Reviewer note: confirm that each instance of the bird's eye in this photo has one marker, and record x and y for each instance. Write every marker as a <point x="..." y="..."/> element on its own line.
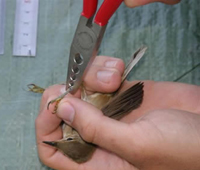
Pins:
<point x="69" y="139"/>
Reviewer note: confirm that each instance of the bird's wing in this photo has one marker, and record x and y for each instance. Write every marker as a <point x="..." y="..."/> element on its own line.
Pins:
<point x="125" y="102"/>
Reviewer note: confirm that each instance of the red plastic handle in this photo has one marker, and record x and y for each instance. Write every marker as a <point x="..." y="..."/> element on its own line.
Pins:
<point x="89" y="8"/>
<point x="106" y="11"/>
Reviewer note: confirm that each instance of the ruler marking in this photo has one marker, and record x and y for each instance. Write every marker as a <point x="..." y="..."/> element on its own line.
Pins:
<point x="25" y="34"/>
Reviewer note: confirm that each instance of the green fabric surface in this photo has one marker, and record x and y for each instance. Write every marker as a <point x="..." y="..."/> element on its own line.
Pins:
<point x="171" y="33"/>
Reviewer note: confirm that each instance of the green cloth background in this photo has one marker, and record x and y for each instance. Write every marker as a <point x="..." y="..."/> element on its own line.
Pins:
<point x="171" y="33"/>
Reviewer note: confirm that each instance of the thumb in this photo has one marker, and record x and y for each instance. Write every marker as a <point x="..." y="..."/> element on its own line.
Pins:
<point x="93" y="126"/>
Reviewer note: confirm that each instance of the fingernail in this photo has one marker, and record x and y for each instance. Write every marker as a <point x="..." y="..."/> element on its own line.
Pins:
<point x="110" y="63"/>
<point x="66" y="112"/>
<point x="104" y="76"/>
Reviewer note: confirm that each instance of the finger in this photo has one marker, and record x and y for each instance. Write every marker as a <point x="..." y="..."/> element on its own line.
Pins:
<point x="135" y="3"/>
<point x="46" y="121"/>
<point x="47" y="124"/>
<point x="109" y="62"/>
<point x="52" y="90"/>
<point x="48" y="129"/>
<point x="59" y="161"/>
<point x="104" y="74"/>
<point x="94" y="127"/>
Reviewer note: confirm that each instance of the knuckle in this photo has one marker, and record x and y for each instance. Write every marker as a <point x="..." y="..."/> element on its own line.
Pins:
<point x="52" y="90"/>
<point x="121" y="63"/>
<point x="114" y="83"/>
<point x="116" y="78"/>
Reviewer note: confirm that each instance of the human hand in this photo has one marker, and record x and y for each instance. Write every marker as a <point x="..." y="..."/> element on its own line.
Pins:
<point x="107" y="73"/>
<point x="134" y="3"/>
<point x="154" y="138"/>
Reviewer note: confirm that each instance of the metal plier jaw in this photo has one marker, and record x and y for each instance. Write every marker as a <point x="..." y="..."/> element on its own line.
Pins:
<point x="84" y="48"/>
<point x="87" y="39"/>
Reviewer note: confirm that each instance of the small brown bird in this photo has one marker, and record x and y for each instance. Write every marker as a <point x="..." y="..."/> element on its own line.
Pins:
<point x="73" y="146"/>
<point x="114" y="105"/>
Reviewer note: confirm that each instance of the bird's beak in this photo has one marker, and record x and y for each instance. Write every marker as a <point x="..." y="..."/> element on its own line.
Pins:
<point x="51" y="143"/>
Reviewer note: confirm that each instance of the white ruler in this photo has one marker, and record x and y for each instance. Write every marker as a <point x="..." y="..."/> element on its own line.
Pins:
<point x="25" y="34"/>
<point x="2" y="24"/>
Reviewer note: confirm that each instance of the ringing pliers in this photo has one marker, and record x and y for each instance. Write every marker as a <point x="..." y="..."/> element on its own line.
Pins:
<point x="87" y="39"/>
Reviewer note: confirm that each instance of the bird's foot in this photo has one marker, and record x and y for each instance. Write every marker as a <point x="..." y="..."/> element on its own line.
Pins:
<point x="35" y="89"/>
<point x="58" y="99"/>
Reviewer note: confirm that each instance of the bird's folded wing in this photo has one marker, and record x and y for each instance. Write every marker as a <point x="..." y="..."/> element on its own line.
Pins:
<point x="125" y="102"/>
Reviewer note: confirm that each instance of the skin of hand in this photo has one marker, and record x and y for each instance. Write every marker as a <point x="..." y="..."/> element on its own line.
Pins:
<point x="163" y="134"/>
<point x="135" y="3"/>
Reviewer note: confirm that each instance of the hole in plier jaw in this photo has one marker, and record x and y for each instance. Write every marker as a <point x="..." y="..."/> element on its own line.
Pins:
<point x="78" y="59"/>
<point x="75" y="69"/>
